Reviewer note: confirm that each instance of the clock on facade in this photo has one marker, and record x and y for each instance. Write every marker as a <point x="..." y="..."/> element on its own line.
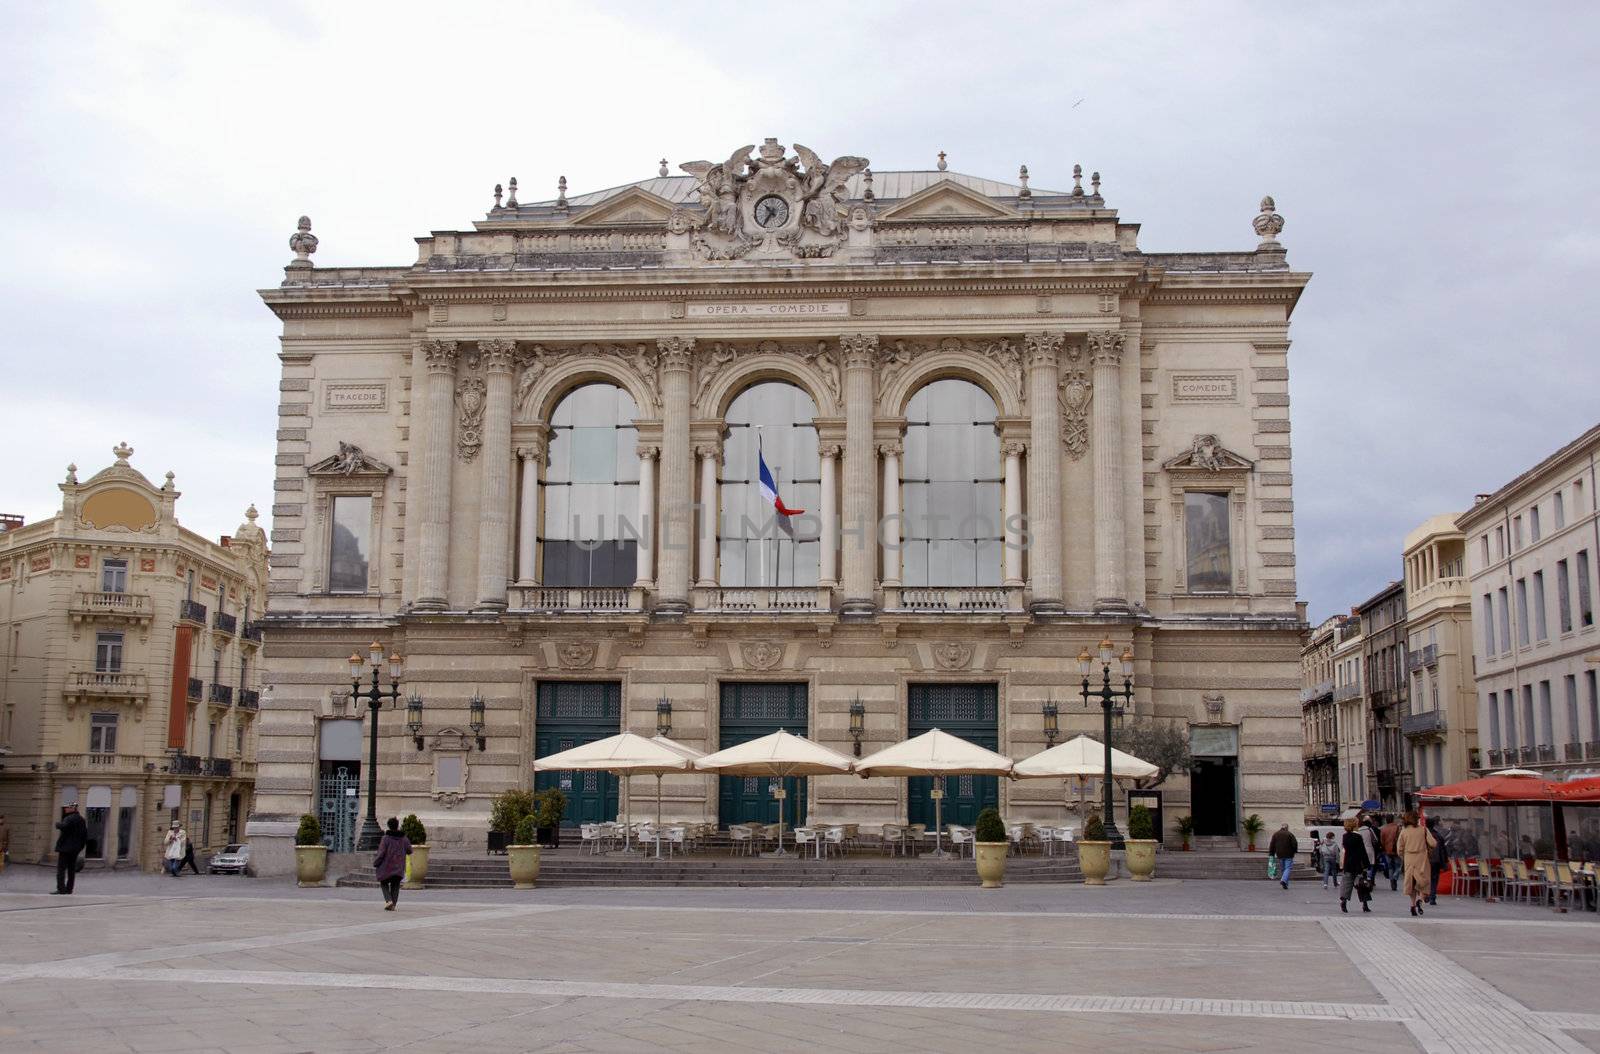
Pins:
<point x="772" y="211"/>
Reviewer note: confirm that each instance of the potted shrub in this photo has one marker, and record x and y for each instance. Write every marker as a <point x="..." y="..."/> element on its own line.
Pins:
<point x="506" y="810"/>
<point x="417" y="865"/>
<point x="1252" y="827"/>
<point x="1185" y="829"/>
<point x="1141" y="844"/>
<point x="548" y="809"/>
<point x="310" y="855"/>
<point x="524" y="852"/>
<point x="1094" y="852"/>
<point x="989" y="848"/>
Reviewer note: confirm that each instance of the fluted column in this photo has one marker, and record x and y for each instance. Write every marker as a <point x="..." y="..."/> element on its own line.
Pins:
<point x="1013" y="452"/>
<point x="532" y="457"/>
<point x="891" y="512"/>
<point x="433" y="486"/>
<point x="677" y="475"/>
<point x="1110" y="579"/>
<point x="710" y="455"/>
<point x="1044" y="469"/>
<point x="860" y="487"/>
<point x="828" y="572"/>
<point x="494" y="500"/>
<point x="645" y="565"/>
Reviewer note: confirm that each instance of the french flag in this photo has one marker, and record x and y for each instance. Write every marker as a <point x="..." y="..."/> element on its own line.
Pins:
<point x="769" y="489"/>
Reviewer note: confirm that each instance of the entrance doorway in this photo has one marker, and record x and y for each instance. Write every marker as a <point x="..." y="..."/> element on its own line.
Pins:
<point x="749" y="711"/>
<point x="339" y="804"/>
<point x="570" y="714"/>
<point x="971" y="711"/>
<point x="1214" y="796"/>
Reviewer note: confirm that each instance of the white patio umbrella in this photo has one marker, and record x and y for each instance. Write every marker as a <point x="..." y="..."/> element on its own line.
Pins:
<point x="1082" y="758"/>
<point x="1516" y="772"/>
<point x="626" y="754"/>
<point x="778" y="755"/>
<point x="938" y="754"/>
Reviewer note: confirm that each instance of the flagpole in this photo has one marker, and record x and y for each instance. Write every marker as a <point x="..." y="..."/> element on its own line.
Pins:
<point x="761" y="458"/>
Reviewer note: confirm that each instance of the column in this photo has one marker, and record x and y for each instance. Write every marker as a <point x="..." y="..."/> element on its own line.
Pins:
<point x="710" y="455"/>
<point x="1013" y="452"/>
<point x="1110" y="588"/>
<point x="677" y="480"/>
<point x="433" y="498"/>
<point x="1043" y="352"/>
<point x="645" y="576"/>
<point x="494" y="501"/>
<point x="860" y="487"/>
<point x="532" y="456"/>
<point x="891" y="512"/>
<point x="828" y="573"/>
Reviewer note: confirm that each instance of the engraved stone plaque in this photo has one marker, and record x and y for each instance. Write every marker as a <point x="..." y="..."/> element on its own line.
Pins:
<point x="355" y="395"/>
<point x="1205" y="388"/>
<point x="772" y="309"/>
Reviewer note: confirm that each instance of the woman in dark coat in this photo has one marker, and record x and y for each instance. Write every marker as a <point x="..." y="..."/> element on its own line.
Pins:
<point x="1356" y="864"/>
<point x="390" y="863"/>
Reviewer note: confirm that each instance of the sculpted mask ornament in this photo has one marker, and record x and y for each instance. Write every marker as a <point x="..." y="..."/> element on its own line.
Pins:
<point x="772" y="205"/>
<point x="761" y="654"/>
<point x="576" y="654"/>
<point x="952" y="655"/>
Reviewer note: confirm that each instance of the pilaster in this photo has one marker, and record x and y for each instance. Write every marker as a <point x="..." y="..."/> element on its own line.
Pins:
<point x="439" y="358"/>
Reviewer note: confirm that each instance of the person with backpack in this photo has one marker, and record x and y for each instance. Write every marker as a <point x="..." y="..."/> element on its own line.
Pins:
<point x="390" y="863"/>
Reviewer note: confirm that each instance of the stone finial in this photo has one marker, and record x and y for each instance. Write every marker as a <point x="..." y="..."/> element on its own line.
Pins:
<point x="1268" y="224"/>
<point x="499" y="192"/>
<point x="303" y="242"/>
<point x="941" y="161"/>
<point x="122" y="451"/>
<point x="1077" y="181"/>
<point x="72" y="473"/>
<point x="561" y="193"/>
<point x="1022" y="177"/>
<point x="664" y="171"/>
<point x="1094" y="184"/>
<point x="251" y="514"/>
<point x="511" y="202"/>
<point x="866" y="183"/>
<point x="170" y="483"/>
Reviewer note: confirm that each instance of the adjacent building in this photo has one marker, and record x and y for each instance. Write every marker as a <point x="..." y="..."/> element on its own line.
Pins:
<point x="129" y="655"/>
<point x="1531" y="553"/>
<point x="1385" y="694"/>
<point x="1319" y="741"/>
<point x="1350" y="714"/>
<point x="531" y="459"/>
<point x="1441" y="727"/>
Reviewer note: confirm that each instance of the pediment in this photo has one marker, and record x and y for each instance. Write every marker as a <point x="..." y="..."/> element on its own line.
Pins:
<point x="631" y="206"/>
<point x="1207" y="455"/>
<point x="351" y="460"/>
<point x="948" y="200"/>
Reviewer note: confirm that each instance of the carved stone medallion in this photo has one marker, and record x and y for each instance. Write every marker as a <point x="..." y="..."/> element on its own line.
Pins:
<point x="575" y="654"/>
<point x="761" y="654"/>
<point x="952" y="655"/>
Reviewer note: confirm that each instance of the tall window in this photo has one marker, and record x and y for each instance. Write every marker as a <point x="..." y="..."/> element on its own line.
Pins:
<point x="1494" y="721"/>
<point x="1530" y="732"/>
<point x="1563" y="597"/>
<point x="114" y="576"/>
<point x="1533" y="524"/>
<point x="1485" y="549"/>
<point x="1488" y="624"/>
<point x="1516" y="533"/>
<point x="108" y="653"/>
<point x="1547" y="730"/>
<point x="1591" y="685"/>
<point x="1522" y="612"/>
<point x="1573" y="728"/>
<point x="1505" y="620"/>
<point x="755" y="546"/>
<point x="1585" y="604"/>
<point x="1561" y="509"/>
<point x="1540" y="623"/>
<point x="102" y="733"/>
<point x="1510" y="711"/>
<point x="951" y="486"/>
<point x="591" y="490"/>
<point x="350" y="545"/>
<point x="1209" y="550"/>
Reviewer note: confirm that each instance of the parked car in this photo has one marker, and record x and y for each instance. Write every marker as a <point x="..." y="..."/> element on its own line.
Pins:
<point x="233" y="859"/>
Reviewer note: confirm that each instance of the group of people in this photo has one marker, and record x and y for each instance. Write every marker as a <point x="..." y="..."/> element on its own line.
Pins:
<point x="1404" y="851"/>
<point x="177" y="851"/>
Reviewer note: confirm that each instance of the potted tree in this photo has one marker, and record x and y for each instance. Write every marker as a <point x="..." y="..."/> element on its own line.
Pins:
<point x="549" y="806"/>
<point x="506" y="810"/>
<point x="1185" y="829"/>
<point x="1252" y="827"/>
<point x="524" y="852"/>
<point x="1141" y="844"/>
<point x="989" y="848"/>
<point x="417" y="863"/>
<point x="1094" y="852"/>
<point x="310" y="855"/>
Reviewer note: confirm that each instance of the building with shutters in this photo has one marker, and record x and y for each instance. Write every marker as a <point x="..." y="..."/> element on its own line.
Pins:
<point x="129" y="671"/>
<point x="529" y="461"/>
<point x="1441" y="727"/>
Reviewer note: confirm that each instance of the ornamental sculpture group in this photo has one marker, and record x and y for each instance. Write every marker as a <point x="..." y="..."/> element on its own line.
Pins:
<point x="769" y="204"/>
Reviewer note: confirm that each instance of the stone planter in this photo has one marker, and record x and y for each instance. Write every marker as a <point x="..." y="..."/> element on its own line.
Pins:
<point x="991" y="858"/>
<point x="1095" y="860"/>
<point x="419" y="867"/>
<point x="310" y="864"/>
<point x="1141" y="858"/>
<point x="524" y="865"/>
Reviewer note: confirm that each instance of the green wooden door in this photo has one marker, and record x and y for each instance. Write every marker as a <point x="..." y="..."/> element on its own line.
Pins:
<point x="750" y="711"/>
<point x="570" y="714"/>
<point x="971" y="711"/>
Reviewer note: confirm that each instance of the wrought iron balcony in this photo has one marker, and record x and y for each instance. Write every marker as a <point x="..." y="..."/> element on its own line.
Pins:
<point x="220" y="695"/>
<point x="1346" y="691"/>
<point x="249" y="699"/>
<point x="1591" y="751"/>
<point x="192" y="611"/>
<point x="1424" y="723"/>
<point x="134" y="608"/>
<point x="226" y="623"/>
<point x="222" y="767"/>
<point x="1319" y="748"/>
<point x="251" y="634"/>
<point x="1547" y="752"/>
<point x="1425" y="656"/>
<point x="1496" y="758"/>
<point x="196" y="689"/>
<point x="1314" y="692"/>
<point x="1572" y="752"/>
<point x="184" y="765"/>
<point x="1526" y="755"/>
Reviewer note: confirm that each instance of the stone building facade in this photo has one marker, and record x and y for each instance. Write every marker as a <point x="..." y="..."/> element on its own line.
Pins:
<point x="1319" y="717"/>
<point x="1350" y="711"/>
<point x="530" y="462"/>
<point x="1385" y="695"/>
<point x="129" y="670"/>
<point x="1441" y="725"/>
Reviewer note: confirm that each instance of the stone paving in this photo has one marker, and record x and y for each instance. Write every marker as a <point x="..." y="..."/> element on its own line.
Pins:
<point x="139" y="962"/>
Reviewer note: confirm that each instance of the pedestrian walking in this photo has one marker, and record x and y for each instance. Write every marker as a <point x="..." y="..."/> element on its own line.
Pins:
<point x="173" y="847"/>
<point x="1388" y="836"/>
<point x="188" y="856"/>
<point x="1438" y="861"/>
<point x="5" y="842"/>
<point x="1330" y="860"/>
<point x="1368" y="831"/>
<point x="70" y="842"/>
<point x="1284" y="847"/>
<point x="390" y="863"/>
<point x="1415" y="844"/>
<point x="1356" y="867"/>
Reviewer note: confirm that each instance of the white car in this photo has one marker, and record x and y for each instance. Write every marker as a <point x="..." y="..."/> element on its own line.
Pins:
<point x="233" y="859"/>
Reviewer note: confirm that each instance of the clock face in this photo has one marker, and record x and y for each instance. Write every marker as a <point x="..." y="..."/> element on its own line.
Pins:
<point x="772" y="211"/>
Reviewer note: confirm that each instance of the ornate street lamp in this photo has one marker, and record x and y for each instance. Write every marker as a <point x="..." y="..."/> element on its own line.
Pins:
<point x="664" y="716"/>
<point x="414" y="718"/>
<point x="1108" y="697"/>
<point x="858" y="723"/>
<point x="475" y="710"/>
<point x="1052" y="722"/>
<point x="374" y="697"/>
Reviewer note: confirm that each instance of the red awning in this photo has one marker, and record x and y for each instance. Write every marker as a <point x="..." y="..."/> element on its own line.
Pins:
<point x="1584" y="790"/>
<point x="1495" y="789"/>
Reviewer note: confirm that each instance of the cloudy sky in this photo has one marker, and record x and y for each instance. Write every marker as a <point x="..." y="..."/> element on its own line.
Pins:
<point x="1434" y="163"/>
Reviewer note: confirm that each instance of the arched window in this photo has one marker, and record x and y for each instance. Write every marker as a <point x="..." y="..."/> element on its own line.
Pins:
<point x="591" y="490"/>
<point x="952" y="490"/>
<point x="756" y="546"/>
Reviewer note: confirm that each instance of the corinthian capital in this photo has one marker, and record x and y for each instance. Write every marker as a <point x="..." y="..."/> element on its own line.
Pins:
<point x="440" y="355"/>
<point x="1042" y="349"/>
<point x="860" y="349"/>
<point x="676" y="352"/>
<point x="891" y="448"/>
<point x="498" y="356"/>
<point x="1105" y="346"/>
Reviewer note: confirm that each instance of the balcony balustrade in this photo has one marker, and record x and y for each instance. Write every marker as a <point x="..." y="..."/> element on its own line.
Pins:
<point x="251" y="633"/>
<point x="97" y="685"/>
<point x="184" y="765"/>
<point x="220" y="695"/>
<point x="131" y="608"/>
<point x="1496" y="758"/>
<point x="196" y="689"/>
<point x="576" y="599"/>
<point x="1425" y="723"/>
<point x="1526" y="755"/>
<point x="98" y="764"/>
<point x="249" y="699"/>
<point x="1572" y="752"/>
<point x="1346" y="691"/>
<point x="192" y="611"/>
<point x="1425" y="656"/>
<point x="1547" y="752"/>
<point x="953" y="600"/>
<point x="1591" y="751"/>
<point x="225" y="623"/>
<point x="763" y="599"/>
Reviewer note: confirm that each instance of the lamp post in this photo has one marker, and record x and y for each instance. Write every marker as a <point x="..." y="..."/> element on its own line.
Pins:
<point x="858" y="723"/>
<point x="663" y="717"/>
<point x="1108" y="697"/>
<point x="1052" y="722"/>
<point x="475" y="710"/>
<point x="374" y="697"/>
<point x="414" y="718"/>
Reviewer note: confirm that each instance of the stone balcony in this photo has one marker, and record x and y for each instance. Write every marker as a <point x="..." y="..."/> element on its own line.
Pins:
<point x="86" y="686"/>
<point x="99" y="765"/>
<point x="1427" y="722"/>
<point x="576" y="599"/>
<point x="953" y="600"/>
<point x="128" y="608"/>
<point x="765" y="600"/>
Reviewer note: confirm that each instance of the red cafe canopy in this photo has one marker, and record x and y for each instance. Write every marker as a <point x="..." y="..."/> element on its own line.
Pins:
<point x="1584" y="790"/>
<point x="1496" y="789"/>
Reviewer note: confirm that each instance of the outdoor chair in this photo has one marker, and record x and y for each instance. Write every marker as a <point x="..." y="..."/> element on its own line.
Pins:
<point x="1460" y="877"/>
<point x="1519" y="886"/>
<point x="914" y="836"/>
<point x="892" y="834"/>
<point x="743" y="839"/>
<point x="1563" y="882"/>
<point x="961" y="839"/>
<point x="590" y="837"/>
<point x="834" y="837"/>
<point x="677" y="838"/>
<point x="1489" y="880"/>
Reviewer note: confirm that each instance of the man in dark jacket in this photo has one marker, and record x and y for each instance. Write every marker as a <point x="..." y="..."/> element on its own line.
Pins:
<point x="1283" y="846"/>
<point x="74" y="836"/>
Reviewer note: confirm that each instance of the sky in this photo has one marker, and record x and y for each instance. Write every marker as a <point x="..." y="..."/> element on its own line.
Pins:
<point x="1434" y="164"/>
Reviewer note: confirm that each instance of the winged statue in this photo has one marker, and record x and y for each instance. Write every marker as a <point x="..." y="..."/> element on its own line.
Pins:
<point x="825" y="188"/>
<point x="719" y="189"/>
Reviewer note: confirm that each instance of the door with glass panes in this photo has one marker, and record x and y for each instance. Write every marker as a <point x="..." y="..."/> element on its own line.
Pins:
<point x="749" y="711"/>
<point x="971" y="711"/>
<point x="569" y="714"/>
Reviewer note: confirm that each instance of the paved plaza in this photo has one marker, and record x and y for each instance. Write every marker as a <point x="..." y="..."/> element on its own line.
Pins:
<point x="140" y="962"/>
